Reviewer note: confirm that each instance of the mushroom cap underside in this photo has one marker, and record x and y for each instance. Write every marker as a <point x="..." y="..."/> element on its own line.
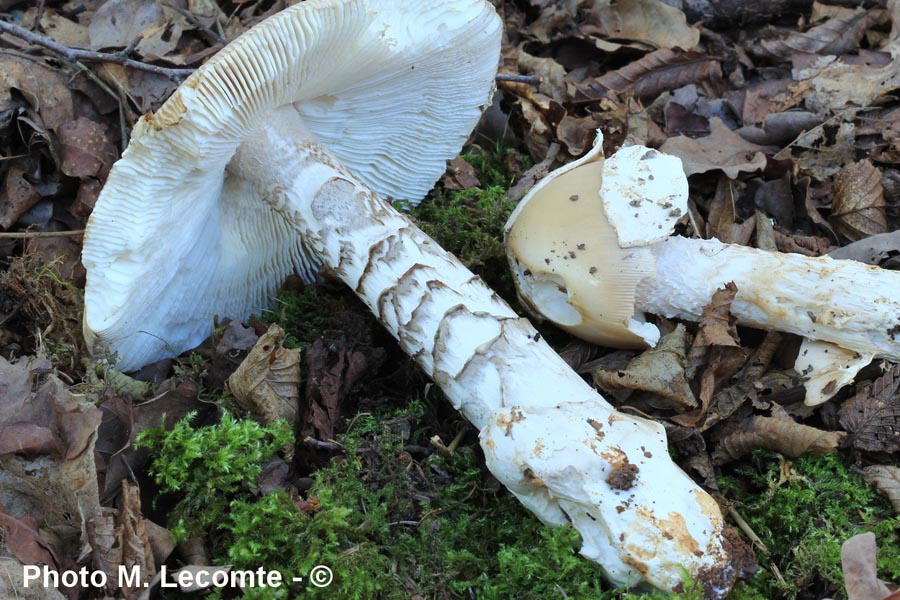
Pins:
<point x="391" y="88"/>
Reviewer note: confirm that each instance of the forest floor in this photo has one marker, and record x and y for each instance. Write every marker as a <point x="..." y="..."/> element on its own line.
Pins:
<point x="786" y="118"/>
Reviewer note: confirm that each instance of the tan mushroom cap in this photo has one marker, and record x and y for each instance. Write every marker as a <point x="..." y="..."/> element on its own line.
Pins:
<point x="391" y="88"/>
<point x="578" y="243"/>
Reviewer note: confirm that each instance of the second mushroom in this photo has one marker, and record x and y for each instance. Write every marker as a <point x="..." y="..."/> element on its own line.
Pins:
<point x="591" y="250"/>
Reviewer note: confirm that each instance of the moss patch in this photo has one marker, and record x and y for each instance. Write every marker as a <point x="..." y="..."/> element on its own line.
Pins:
<point x="803" y="511"/>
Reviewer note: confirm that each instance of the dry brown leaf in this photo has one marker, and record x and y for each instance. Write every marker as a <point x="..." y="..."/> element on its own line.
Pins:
<point x="649" y="22"/>
<point x="752" y="380"/>
<point x="659" y="371"/>
<point x="858" y="210"/>
<point x="655" y="73"/>
<point x="860" y="568"/>
<point x="781" y="435"/>
<point x="838" y="35"/>
<point x="871" y="250"/>
<point x="118" y="23"/>
<point x="12" y="583"/>
<point x="717" y="349"/>
<point x="840" y="85"/>
<point x="552" y="74"/>
<point x="86" y="150"/>
<point x="460" y="175"/>
<point x="61" y="29"/>
<point x="722" y="220"/>
<point x="135" y="545"/>
<point x="717" y="325"/>
<point x="44" y="88"/>
<point x="331" y="374"/>
<point x="236" y="338"/>
<point x="722" y="149"/>
<point x="576" y="133"/>
<point x="267" y="383"/>
<point x="887" y="480"/>
<point x="873" y="415"/>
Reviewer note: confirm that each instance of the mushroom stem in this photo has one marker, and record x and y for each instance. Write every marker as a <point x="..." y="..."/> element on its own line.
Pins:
<point x="547" y="435"/>
<point x="850" y="304"/>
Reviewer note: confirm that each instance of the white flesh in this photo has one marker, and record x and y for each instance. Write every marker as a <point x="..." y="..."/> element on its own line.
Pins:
<point x="546" y="433"/>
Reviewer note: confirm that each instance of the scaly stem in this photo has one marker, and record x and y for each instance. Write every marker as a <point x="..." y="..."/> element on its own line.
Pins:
<point x="547" y="435"/>
<point x="847" y="303"/>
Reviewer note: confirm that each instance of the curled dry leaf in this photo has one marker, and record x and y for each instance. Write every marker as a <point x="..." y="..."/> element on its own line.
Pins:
<point x="887" y="480"/>
<point x="722" y="149"/>
<point x="658" y="72"/>
<point x="858" y="209"/>
<point x="873" y="415"/>
<point x="134" y="542"/>
<point x="659" y="370"/>
<point x="777" y="434"/>
<point x="860" y="568"/>
<point x="267" y="383"/>
<point x="716" y="347"/>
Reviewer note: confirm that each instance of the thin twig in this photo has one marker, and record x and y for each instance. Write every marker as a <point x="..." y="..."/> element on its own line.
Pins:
<point x="33" y="235"/>
<point x="74" y="54"/>
<point x="529" y="79"/>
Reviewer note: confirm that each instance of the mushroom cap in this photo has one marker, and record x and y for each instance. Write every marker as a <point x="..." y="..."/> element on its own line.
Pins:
<point x="391" y="88"/>
<point x="578" y="243"/>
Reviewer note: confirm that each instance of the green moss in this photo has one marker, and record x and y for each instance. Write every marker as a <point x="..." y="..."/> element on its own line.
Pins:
<point x="388" y="527"/>
<point x="804" y="520"/>
<point x="210" y="466"/>
<point x="469" y="223"/>
<point x="303" y="314"/>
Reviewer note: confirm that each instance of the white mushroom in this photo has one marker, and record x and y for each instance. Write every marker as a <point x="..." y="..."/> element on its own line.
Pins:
<point x="273" y="156"/>
<point x="590" y="250"/>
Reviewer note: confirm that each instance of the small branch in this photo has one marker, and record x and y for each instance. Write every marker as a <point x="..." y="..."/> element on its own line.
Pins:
<point x="75" y="54"/>
<point x="34" y="235"/>
<point x="509" y="77"/>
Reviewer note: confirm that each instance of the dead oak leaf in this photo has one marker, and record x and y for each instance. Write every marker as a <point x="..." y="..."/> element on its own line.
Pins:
<point x="721" y="150"/>
<point x="873" y="415"/>
<point x="44" y="88"/>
